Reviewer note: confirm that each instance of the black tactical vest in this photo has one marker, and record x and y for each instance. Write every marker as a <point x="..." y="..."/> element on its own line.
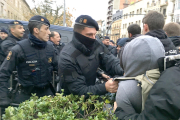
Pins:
<point x="36" y="69"/>
<point x="88" y="64"/>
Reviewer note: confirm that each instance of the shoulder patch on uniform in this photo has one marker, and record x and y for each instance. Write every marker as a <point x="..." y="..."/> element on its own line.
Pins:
<point x="9" y="55"/>
<point x="50" y="60"/>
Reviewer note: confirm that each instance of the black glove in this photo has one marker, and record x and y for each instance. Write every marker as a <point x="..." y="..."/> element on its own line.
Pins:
<point x="5" y="101"/>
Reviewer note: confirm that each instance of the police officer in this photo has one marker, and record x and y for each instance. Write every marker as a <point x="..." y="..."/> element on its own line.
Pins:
<point x="106" y="42"/>
<point x="80" y="59"/>
<point x="3" y="36"/>
<point x="16" y="33"/>
<point x="35" y="59"/>
<point x="55" y="38"/>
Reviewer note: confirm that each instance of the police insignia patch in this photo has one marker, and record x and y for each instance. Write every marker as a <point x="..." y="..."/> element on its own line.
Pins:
<point x="50" y="60"/>
<point x="85" y="21"/>
<point x="9" y="55"/>
<point x="16" y="22"/>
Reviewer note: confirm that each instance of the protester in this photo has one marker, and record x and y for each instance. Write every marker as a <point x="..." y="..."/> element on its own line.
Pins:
<point x="139" y="56"/>
<point x="80" y="59"/>
<point x="153" y="24"/>
<point x="173" y="32"/>
<point x="134" y="31"/>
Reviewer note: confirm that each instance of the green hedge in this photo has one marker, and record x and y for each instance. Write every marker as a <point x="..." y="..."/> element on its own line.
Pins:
<point x="71" y="107"/>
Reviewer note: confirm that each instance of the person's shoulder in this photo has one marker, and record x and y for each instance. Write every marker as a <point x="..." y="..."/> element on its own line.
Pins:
<point x="68" y="52"/>
<point x="5" y="42"/>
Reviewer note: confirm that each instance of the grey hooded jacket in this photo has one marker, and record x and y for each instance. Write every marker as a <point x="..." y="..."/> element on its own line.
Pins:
<point x="139" y="56"/>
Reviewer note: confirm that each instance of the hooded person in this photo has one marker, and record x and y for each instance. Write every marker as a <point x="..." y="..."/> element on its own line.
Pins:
<point x="139" y="56"/>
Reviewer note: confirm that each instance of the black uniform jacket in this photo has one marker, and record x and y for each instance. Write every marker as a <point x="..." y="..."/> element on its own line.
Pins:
<point x="78" y="66"/>
<point x="14" y="58"/>
<point x="10" y="41"/>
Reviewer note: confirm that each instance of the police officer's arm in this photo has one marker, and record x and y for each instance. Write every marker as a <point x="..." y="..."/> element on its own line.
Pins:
<point x="13" y="58"/>
<point x="6" y="46"/>
<point x="111" y="65"/>
<point x="74" y="79"/>
<point x="55" y="62"/>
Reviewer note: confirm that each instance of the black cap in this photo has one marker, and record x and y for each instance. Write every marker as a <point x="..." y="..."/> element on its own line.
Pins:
<point x="106" y="37"/>
<point x="40" y="19"/>
<point x="4" y="30"/>
<point x="87" y="21"/>
<point x="15" y="22"/>
<point x="112" y="41"/>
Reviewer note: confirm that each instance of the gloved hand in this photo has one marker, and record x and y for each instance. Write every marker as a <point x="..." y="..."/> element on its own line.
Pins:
<point x="4" y="101"/>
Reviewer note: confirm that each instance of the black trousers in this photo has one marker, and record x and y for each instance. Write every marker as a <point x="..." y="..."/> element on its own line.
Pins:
<point x="21" y="97"/>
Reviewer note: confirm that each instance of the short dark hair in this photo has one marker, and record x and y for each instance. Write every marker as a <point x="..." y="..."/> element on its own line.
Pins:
<point x="154" y="20"/>
<point x="52" y="34"/>
<point x="78" y="28"/>
<point x="172" y="29"/>
<point x="33" y="25"/>
<point x="134" y="29"/>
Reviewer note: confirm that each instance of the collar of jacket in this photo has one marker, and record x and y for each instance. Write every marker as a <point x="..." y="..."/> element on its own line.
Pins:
<point x="133" y="37"/>
<point x="82" y="48"/>
<point x="160" y="34"/>
<point x="12" y="36"/>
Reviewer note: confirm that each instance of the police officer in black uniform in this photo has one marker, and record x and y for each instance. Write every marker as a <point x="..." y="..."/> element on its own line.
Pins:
<point x="35" y="59"/>
<point x="55" y="38"/>
<point x="80" y="59"/>
<point x="106" y="42"/>
<point x="3" y="37"/>
<point x="15" y="35"/>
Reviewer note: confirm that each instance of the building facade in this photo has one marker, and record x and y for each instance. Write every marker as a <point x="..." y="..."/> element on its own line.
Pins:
<point x="116" y="30"/>
<point x="113" y="5"/>
<point x="14" y="9"/>
<point x="176" y="16"/>
<point x="166" y="7"/>
<point x="133" y="14"/>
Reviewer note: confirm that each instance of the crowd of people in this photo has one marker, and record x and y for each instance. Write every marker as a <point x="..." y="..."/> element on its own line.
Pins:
<point x="135" y="68"/>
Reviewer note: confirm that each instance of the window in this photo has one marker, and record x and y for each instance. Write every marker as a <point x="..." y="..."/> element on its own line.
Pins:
<point x="2" y="9"/>
<point x="139" y="22"/>
<point x="164" y="12"/>
<point x="140" y="10"/>
<point x="137" y="11"/>
<point x="8" y="14"/>
<point x="133" y="14"/>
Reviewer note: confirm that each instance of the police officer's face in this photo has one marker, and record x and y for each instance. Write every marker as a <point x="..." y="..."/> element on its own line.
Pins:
<point x="110" y="43"/>
<point x="3" y="35"/>
<point x="106" y="41"/>
<point x="43" y="33"/>
<point x="56" y="39"/>
<point x="18" y="31"/>
<point x="89" y="32"/>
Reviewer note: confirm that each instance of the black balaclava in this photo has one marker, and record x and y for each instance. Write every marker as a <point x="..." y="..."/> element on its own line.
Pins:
<point x="88" y="42"/>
